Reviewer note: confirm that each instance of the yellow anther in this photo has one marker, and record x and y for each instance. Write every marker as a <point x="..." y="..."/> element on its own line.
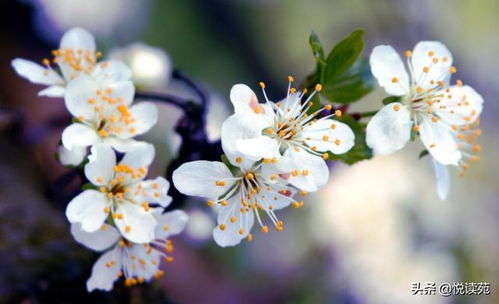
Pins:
<point x="292" y="90"/>
<point x="107" y="210"/>
<point x="325" y="156"/>
<point x="318" y="87"/>
<point x="333" y="126"/>
<point x="416" y="128"/>
<point x="128" y="228"/>
<point x="435" y="60"/>
<point x="434" y="119"/>
<point x="104" y="227"/>
<point x="396" y="107"/>
<point x="250" y="175"/>
<point x="408" y="53"/>
<point x="46" y="62"/>
<point x="220" y="183"/>
<point x="337" y="142"/>
<point x="224" y="203"/>
<point x="419" y="90"/>
<point x="103" y="133"/>
<point x="294" y="173"/>
<point x="431" y="53"/>
<point x="169" y="259"/>
<point x="233" y="219"/>
<point x="452" y="69"/>
<point x="303" y="193"/>
<point x="305" y="172"/>
<point x="250" y="237"/>
<point x="433" y="145"/>
<point x="222" y="227"/>
<point x="325" y="138"/>
<point x="291" y="79"/>
<point x="459" y="83"/>
<point x="328" y="107"/>
<point x="395" y="80"/>
<point x="426" y="69"/>
<point x="262" y="84"/>
<point x="265" y="229"/>
<point x="103" y="189"/>
<point x="241" y="231"/>
<point x="338" y="113"/>
<point x="239" y="159"/>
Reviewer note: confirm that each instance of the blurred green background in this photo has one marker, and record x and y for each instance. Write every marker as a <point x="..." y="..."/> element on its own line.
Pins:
<point x="376" y="229"/>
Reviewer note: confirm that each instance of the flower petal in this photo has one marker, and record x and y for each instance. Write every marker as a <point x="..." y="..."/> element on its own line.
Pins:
<point x="77" y="39"/>
<point x="145" y="115"/>
<point x="36" y="73"/>
<point x="72" y="157"/>
<point x="54" y="91"/>
<point x="79" y="135"/>
<point x="245" y="102"/>
<point x="137" y="224"/>
<point x="390" y="129"/>
<point x="153" y="191"/>
<point x="78" y="92"/>
<point x="102" y="160"/>
<point x="103" y="277"/>
<point x="110" y="71"/>
<point x="235" y="128"/>
<point x="259" y="147"/>
<point x="99" y="240"/>
<point x="439" y="141"/>
<point x="329" y="135"/>
<point x="88" y="210"/>
<point x="461" y="105"/>
<point x="200" y="178"/>
<point x="389" y="70"/>
<point x="231" y="234"/>
<point x="140" y="157"/>
<point x="309" y="172"/>
<point x="170" y="223"/>
<point x="442" y="179"/>
<point x="424" y="67"/>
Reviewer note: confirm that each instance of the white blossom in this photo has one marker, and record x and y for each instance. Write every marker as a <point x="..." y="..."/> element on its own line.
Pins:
<point x="135" y="262"/>
<point x="76" y="56"/>
<point x="123" y="195"/>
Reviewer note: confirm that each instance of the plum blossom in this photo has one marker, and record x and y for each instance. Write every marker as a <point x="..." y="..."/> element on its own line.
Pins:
<point x="269" y="130"/>
<point x="445" y="116"/>
<point x="105" y="114"/>
<point x="251" y="189"/>
<point x="122" y="195"/>
<point x="76" y="56"/>
<point x="135" y="262"/>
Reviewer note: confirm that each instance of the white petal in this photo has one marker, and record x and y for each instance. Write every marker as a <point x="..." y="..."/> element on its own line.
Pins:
<point x="153" y="191"/>
<point x="145" y="115"/>
<point x="277" y="199"/>
<point x="390" y="129"/>
<point x="72" y="157"/>
<point x="232" y="235"/>
<point x="102" y="160"/>
<point x="99" y="240"/>
<point x="329" y="135"/>
<point x="138" y="270"/>
<point x="259" y="147"/>
<point x="421" y="60"/>
<point x="170" y="223"/>
<point x="137" y="225"/>
<point x="316" y="171"/>
<point x="389" y="70"/>
<point x="439" y="141"/>
<point x="103" y="277"/>
<point x="245" y="102"/>
<point x="88" y="210"/>
<point x="54" y="91"/>
<point x="124" y="145"/>
<point x="442" y="179"/>
<point x="199" y="178"/>
<point x="110" y="71"/>
<point x="78" y="92"/>
<point x="463" y="107"/>
<point x="77" y="39"/>
<point x="141" y="156"/>
<point x="79" y="135"/>
<point x="36" y="73"/>
<point x="235" y="128"/>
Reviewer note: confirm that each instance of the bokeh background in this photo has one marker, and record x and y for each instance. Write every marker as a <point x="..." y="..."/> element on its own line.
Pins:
<point x="365" y="238"/>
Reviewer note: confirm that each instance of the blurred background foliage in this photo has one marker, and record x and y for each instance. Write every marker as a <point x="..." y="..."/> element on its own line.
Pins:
<point x="377" y="228"/>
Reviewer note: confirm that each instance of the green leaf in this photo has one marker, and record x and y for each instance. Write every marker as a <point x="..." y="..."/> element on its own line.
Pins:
<point x="343" y="56"/>
<point x="231" y="167"/>
<point x="391" y="99"/>
<point x="360" y="151"/>
<point x="317" y="48"/>
<point x="353" y="84"/>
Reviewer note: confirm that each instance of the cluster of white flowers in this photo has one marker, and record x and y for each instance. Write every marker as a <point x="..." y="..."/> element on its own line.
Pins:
<point x="445" y="116"/>
<point x="274" y="151"/>
<point x="122" y="212"/>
